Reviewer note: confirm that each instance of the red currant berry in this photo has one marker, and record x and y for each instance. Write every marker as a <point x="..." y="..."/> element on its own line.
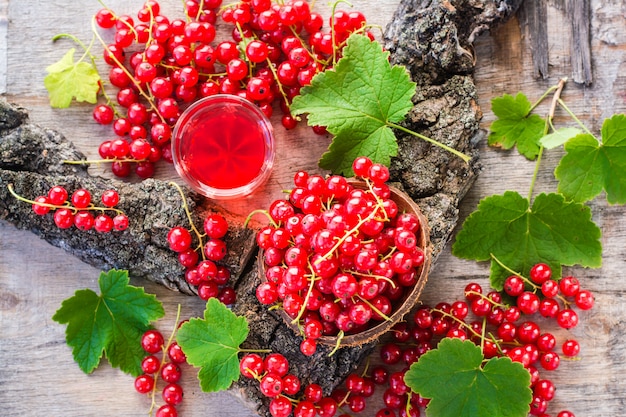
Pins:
<point x="208" y="290"/>
<point x="280" y="407"/>
<point x="473" y="291"/>
<point x="390" y="353"/>
<point x="57" y="195"/>
<point x="277" y="363"/>
<point x="257" y="51"/>
<point x="513" y="285"/>
<point x="215" y="226"/>
<point x="103" y="114"/>
<point x="569" y="286"/>
<point x="271" y="385"/>
<point x="550" y="288"/>
<point x="361" y="166"/>
<point x="546" y="342"/>
<point x="83" y="220"/>
<point x="175" y="353"/>
<point x="540" y="273"/>
<point x="571" y="348"/>
<point x="215" y="249"/>
<point x="81" y="198"/>
<point x="41" y="209"/>
<point x="545" y="389"/>
<point x="251" y="365"/>
<point x="550" y="361"/>
<point x="308" y="346"/>
<point x="567" y="318"/>
<point x="528" y="332"/>
<point x="584" y="299"/>
<point x="528" y="303"/>
<point x="150" y="364"/>
<point x="179" y="239"/>
<point x="171" y="372"/>
<point x="291" y="384"/>
<point x="105" y="18"/>
<point x="120" y="222"/>
<point x="172" y="394"/>
<point x="152" y="341"/>
<point x="103" y="223"/>
<point x="144" y="384"/>
<point x="166" y="410"/>
<point x="64" y="218"/>
<point x="110" y="198"/>
<point x="378" y="173"/>
<point x="549" y="307"/>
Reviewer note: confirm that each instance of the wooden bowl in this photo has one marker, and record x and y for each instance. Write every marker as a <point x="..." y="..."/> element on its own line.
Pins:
<point x="400" y="307"/>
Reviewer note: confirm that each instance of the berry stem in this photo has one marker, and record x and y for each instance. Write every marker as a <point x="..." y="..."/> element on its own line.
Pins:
<point x="340" y="336"/>
<point x="332" y="26"/>
<point x="376" y="310"/>
<point x="91" y="207"/>
<point x="306" y="298"/>
<point x="190" y="218"/>
<point x="101" y="161"/>
<point x="164" y="360"/>
<point x="355" y="229"/>
<point x="259" y="211"/>
<point x="459" y="321"/>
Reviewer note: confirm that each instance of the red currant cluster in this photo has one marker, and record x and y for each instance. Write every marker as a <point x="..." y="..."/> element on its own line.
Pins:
<point x="78" y="209"/>
<point x="501" y="330"/>
<point x="359" y="387"/>
<point x="276" y="48"/>
<point x="567" y="290"/>
<point x="277" y="383"/>
<point x="210" y="278"/>
<point x="289" y="396"/>
<point x="338" y="258"/>
<point x="168" y="368"/>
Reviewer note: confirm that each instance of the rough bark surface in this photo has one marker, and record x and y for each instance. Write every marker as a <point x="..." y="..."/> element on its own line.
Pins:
<point x="32" y="161"/>
<point x="431" y="38"/>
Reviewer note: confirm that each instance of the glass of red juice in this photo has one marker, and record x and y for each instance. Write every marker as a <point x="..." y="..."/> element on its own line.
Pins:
<point x="223" y="146"/>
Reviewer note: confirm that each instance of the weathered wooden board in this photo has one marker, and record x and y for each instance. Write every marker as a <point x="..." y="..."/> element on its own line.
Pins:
<point x="39" y="376"/>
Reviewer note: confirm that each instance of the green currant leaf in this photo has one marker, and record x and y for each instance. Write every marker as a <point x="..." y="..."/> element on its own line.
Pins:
<point x="111" y="323"/>
<point x="212" y="344"/>
<point x="552" y="230"/>
<point x="355" y="100"/>
<point x="458" y="384"/>
<point x="67" y="80"/>
<point x="515" y="125"/>
<point x="589" y="166"/>
<point x="559" y="137"/>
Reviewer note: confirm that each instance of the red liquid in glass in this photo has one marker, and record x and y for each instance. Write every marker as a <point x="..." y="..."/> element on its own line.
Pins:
<point x="224" y="148"/>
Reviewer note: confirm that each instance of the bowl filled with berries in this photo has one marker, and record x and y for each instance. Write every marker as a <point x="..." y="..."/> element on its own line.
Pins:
<point x="342" y="260"/>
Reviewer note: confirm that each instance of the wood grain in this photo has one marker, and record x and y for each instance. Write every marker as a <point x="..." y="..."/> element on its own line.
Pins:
<point x="38" y="374"/>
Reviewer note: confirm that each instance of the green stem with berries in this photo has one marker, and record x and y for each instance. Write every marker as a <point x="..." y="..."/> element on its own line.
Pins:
<point x="91" y="207"/>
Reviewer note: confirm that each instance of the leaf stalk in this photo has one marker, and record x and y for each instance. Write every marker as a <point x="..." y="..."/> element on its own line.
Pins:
<point x="465" y="158"/>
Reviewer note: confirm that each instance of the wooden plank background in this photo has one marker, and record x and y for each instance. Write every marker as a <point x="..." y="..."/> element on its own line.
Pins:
<point x="38" y="376"/>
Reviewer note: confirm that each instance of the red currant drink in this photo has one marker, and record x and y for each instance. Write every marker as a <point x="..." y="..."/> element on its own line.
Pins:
<point x="223" y="146"/>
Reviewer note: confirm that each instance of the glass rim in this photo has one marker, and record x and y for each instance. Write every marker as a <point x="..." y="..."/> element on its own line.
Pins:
<point x="268" y="136"/>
